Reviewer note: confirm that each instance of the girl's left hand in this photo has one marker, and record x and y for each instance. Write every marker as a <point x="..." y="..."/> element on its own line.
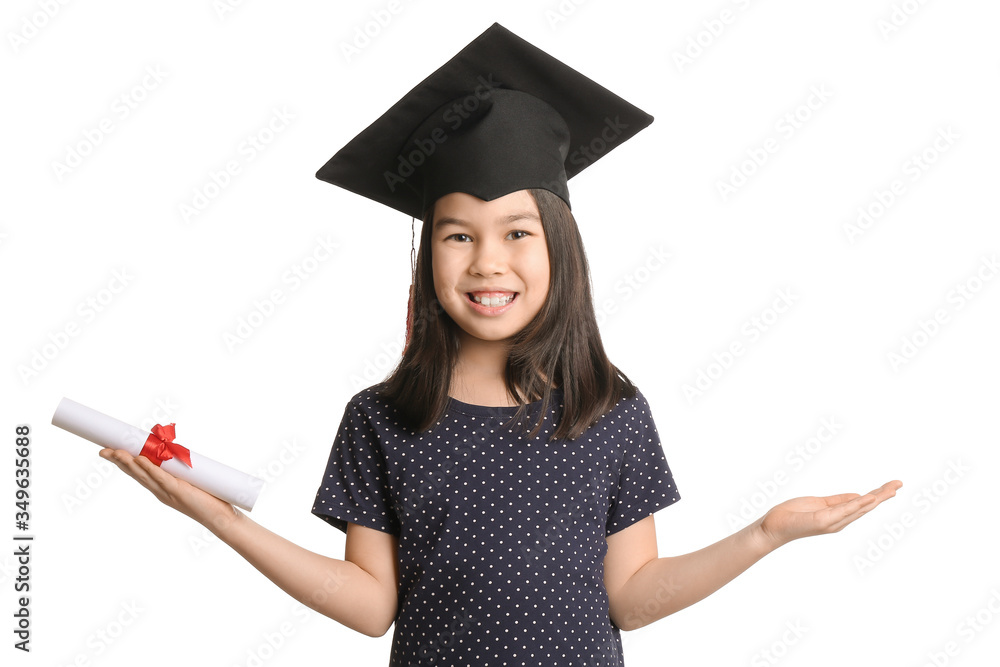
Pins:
<point x="809" y="515"/>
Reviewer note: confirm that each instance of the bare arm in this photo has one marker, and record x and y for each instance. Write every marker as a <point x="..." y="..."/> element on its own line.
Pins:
<point x="643" y="588"/>
<point x="359" y="592"/>
<point x="658" y="587"/>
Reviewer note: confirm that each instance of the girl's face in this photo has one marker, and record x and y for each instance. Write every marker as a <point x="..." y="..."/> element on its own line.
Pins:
<point x="493" y="251"/>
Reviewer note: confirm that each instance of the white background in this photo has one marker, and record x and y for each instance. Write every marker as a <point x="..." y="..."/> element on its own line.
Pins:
<point x="157" y="350"/>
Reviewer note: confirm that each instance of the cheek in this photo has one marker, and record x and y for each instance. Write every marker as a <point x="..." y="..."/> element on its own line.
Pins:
<point x="436" y="270"/>
<point x="542" y="271"/>
<point x="442" y="281"/>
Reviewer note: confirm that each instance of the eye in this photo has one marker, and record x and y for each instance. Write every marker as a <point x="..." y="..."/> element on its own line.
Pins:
<point x="455" y="236"/>
<point x="521" y="232"/>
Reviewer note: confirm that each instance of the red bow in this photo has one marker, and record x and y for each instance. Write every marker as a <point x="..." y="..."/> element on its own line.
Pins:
<point x="160" y="446"/>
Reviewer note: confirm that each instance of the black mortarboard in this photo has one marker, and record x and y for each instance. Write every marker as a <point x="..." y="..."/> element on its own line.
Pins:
<point x="500" y="116"/>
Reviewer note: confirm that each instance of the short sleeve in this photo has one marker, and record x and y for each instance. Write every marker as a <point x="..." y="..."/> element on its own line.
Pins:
<point x="355" y="487"/>
<point x="645" y="483"/>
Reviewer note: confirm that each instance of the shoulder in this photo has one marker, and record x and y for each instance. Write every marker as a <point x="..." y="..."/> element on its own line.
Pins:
<point x="369" y="398"/>
<point x="370" y="406"/>
<point x="632" y="417"/>
<point x="634" y="405"/>
<point x="629" y="413"/>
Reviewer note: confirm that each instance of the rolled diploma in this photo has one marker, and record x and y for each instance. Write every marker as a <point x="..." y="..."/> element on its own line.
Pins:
<point x="211" y="476"/>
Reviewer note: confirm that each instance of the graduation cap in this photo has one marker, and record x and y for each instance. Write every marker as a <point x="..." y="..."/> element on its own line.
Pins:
<point x="500" y="116"/>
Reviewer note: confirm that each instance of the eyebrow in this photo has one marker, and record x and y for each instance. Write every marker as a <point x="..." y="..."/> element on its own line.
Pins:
<point x="506" y="220"/>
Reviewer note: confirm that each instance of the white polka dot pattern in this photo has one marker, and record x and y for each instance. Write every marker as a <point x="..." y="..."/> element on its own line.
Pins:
<point x="502" y="537"/>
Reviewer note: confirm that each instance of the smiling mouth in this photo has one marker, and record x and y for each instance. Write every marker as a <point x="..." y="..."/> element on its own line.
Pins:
<point x="492" y="300"/>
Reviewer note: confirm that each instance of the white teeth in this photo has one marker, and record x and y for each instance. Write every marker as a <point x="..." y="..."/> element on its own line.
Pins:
<point x="492" y="302"/>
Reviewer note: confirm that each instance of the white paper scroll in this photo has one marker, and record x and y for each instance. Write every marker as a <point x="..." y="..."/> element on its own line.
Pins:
<point x="211" y="476"/>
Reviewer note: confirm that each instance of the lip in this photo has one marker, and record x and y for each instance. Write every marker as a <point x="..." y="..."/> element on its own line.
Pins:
<point x="490" y="310"/>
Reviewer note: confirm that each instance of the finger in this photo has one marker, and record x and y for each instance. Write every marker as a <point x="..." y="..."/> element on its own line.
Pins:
<point x="868" y="502"/>
<point x="884" y="492"/>
<point x="155" y="474"/>
<point x="147" y="465"/>
<point x="851" y="518"/>
<point x="845" y="512"/>
<point x="163" y="478"/>
<point x="887" y="490"/>
<point x="130" y="466"/>
<point x="119" y="457"/>
<point x="854" y="503"/>
<point x="839" y="498"/>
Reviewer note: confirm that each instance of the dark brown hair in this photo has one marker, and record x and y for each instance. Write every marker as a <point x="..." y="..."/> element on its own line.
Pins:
<point x="561" y="343"/>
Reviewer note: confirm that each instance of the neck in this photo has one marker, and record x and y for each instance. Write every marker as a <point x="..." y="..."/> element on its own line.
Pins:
<point x="478" y="377"/>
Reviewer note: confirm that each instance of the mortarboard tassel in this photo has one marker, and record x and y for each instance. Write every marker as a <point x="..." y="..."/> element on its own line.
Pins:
<point x="413" y="275"/>
<point x="409" y="319"/>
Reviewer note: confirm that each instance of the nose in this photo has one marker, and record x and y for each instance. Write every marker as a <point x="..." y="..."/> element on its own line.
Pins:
<point x="489" y="258"/>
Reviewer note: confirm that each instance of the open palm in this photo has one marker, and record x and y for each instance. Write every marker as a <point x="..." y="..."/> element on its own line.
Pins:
<point x="812" y="515"/>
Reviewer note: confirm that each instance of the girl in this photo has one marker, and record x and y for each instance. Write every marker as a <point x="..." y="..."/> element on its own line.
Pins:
<point x="497" y="489"/>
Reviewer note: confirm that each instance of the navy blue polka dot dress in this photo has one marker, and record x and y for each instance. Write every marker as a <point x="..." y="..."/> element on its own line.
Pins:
<point x="501" y="537"/>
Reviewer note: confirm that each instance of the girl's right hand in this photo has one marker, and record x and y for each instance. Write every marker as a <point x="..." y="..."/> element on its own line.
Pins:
<point x="186" y="498"/>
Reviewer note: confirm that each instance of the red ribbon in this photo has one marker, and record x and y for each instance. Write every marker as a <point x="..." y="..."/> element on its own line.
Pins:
<point x="160" y="446"/>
